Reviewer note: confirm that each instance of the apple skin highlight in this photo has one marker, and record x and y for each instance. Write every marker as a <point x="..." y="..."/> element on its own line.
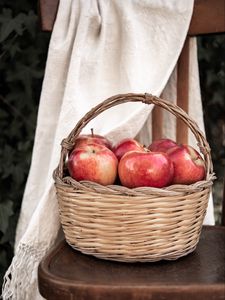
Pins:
<point x="93" y="162"/>
<point x="161" y="145"/>
<point x="189" y="166"/>
<point x="125" y="146"/>
<point x="92" y="138"/>
<point x="150" y="169"/>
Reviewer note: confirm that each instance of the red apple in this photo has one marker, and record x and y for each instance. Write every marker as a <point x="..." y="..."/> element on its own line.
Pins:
<point x="125" y="146"/>
<point x="93" y="162"/>
<point x="85" y="139"/>
<point x="153" y="169"/>
<point x="189" y="166"/>
<point x="161" y="145"/>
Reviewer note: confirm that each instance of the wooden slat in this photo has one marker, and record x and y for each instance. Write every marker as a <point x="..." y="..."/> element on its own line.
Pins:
<point x="208" y="17"/>
<point x="223" y="205"/>
<point x="157" y="121"/>
<point x="182" y="91"/>
<point x="47" y="12"/>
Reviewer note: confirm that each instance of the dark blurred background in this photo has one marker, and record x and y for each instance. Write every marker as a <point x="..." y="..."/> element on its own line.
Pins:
<point x="22" y="62"/>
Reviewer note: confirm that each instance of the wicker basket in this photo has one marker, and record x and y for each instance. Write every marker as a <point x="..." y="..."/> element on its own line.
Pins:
<point x="141" y="224"/>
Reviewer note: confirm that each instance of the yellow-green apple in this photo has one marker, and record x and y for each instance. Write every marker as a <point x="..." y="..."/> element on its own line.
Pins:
<point x="125" y="146"/>
<point x="93" y="162"/>
<point x="161" y="145"/>
<point x="152" y="169"/>
<point x="189" y="166"/>
<point x="84" y="139"/>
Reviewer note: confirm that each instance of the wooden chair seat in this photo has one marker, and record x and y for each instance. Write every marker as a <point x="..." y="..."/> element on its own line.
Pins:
<point x="67" y="274"/>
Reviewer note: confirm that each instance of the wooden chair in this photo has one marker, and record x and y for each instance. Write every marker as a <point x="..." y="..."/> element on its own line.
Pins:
<point x="67" y="274"/>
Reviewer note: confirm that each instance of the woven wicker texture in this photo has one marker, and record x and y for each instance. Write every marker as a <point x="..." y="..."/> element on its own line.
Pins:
<point x="141" y="224"/>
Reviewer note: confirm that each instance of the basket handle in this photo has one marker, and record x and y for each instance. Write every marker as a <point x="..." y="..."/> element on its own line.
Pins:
<point x="68" y="143"/>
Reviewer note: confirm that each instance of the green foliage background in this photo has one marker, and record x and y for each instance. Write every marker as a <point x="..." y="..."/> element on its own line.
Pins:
<point x="22" y="62"/>
<point x="211" y="51"/>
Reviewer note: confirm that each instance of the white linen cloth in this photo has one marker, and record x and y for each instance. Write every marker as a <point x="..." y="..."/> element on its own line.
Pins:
<point x="98" y="48"/>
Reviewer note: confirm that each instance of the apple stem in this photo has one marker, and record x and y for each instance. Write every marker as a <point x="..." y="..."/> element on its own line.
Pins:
<point x="92" y="132"/>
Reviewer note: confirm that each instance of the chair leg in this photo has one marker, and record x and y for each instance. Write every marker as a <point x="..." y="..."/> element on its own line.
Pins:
<point x="182" y="91"/>
<point x="223" y="205"/>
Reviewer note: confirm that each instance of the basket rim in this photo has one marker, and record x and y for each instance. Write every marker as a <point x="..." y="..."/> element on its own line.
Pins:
<point x="171" y="190"/>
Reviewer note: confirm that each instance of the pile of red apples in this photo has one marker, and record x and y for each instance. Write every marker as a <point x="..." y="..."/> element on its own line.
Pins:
<point x="130" y="164"/>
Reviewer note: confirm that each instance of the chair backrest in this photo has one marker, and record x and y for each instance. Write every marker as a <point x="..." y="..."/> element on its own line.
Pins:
<point x="208" y="18"/>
